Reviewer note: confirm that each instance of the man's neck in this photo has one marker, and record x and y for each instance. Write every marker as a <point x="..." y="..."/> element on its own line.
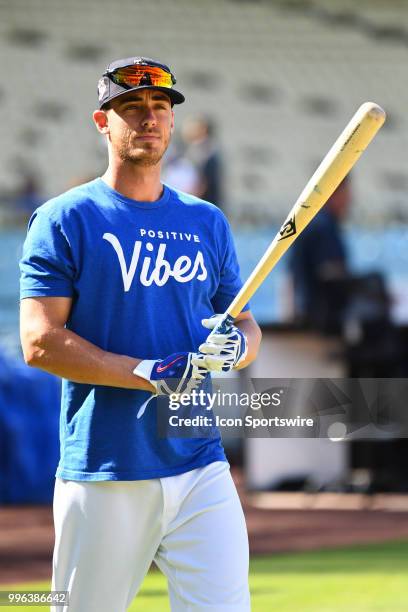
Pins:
<point x="135" y="182"/>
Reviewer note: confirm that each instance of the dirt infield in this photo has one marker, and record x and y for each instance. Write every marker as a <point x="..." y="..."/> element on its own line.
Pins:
<point x="276" y="523"/>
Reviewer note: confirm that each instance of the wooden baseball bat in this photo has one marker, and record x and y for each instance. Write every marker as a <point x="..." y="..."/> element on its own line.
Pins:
<point x="338" y="162"/>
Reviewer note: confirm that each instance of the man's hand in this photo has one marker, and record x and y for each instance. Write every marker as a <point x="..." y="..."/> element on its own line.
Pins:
<point x="174" y="374"/>
<point x="225" y="349"/>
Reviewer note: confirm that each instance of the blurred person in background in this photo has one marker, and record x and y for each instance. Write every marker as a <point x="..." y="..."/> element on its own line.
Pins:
<point x="29" y="417"/>
<point x="198" y="162"/>
<point x="199" y="136"/>
<point x="28" y="196"/>
<point x="179" y="172"/>
<point x="319" y="264"/>
<point x="330" y="298"/>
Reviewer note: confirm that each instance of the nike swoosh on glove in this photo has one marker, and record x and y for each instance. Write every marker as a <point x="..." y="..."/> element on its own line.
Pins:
<point x="225" y="348"/>
<point x="175" y="374"/>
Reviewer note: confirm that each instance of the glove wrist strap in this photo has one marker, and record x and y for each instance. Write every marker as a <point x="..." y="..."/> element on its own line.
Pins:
<point x="144" y="370"/>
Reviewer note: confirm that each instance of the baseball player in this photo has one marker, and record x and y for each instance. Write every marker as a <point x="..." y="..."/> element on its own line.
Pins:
<point x="121" y="281"/>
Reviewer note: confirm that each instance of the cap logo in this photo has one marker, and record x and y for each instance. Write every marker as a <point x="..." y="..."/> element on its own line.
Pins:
<point x="102" y="87"/>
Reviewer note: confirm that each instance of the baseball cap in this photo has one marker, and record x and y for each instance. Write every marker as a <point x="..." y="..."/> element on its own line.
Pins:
<point x="133" y="73"/>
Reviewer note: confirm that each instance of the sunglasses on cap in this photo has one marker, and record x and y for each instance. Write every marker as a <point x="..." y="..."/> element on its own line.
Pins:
<point x="133" y="73"/>
<point x="130" y="77"/>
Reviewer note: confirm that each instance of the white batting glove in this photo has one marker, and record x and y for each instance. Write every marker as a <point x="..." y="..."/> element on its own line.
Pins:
<point x="225" y="348"/>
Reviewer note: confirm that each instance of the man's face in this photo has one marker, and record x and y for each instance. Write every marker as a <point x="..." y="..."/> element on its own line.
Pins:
<point x="140" y="125"/>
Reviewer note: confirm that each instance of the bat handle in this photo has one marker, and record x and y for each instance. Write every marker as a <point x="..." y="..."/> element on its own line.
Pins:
<point x="223" y="326"/>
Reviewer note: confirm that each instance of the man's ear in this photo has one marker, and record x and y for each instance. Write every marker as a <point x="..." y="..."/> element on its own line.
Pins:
<point x="172" y="121"/>
<point x="101" y="121"/>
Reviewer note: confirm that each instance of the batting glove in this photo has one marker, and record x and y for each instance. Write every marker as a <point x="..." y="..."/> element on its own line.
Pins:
<point x="175" y="374"/>
<point x="225" y="348"/>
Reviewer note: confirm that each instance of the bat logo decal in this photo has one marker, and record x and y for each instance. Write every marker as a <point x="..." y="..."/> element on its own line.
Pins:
<point x="288" y="229"/>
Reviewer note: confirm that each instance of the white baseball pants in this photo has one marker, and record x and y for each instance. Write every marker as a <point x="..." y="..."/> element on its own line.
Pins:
<point x="192" y="526"/>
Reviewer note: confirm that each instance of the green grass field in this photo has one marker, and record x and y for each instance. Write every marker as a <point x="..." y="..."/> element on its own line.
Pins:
<point x="369" y="578"/>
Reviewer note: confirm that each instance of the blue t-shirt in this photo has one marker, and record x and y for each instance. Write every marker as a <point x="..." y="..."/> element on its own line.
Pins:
<point x="141" y="275"/>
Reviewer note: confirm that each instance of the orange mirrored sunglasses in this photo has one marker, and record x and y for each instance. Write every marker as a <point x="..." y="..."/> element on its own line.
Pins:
<point x="138" y="75"/>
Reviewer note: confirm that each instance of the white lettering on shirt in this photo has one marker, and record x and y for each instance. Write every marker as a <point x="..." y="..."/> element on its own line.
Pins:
<point x="169" y="235"/>
<point x="184" y="269"/>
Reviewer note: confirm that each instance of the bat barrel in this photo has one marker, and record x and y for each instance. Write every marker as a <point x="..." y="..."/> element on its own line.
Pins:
<point x="334" y="167"/>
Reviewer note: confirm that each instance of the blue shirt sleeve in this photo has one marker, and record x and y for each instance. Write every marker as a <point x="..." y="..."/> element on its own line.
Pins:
<point x="46" y="266"/>
<point x="230" y="280"/>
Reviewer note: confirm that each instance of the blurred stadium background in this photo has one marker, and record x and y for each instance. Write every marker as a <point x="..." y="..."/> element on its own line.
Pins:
<point x="279" y="79"/>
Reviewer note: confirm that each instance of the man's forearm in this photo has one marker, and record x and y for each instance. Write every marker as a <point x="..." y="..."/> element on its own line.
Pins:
<point x="254" y="336"/>
<point x="64" y="353"/>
